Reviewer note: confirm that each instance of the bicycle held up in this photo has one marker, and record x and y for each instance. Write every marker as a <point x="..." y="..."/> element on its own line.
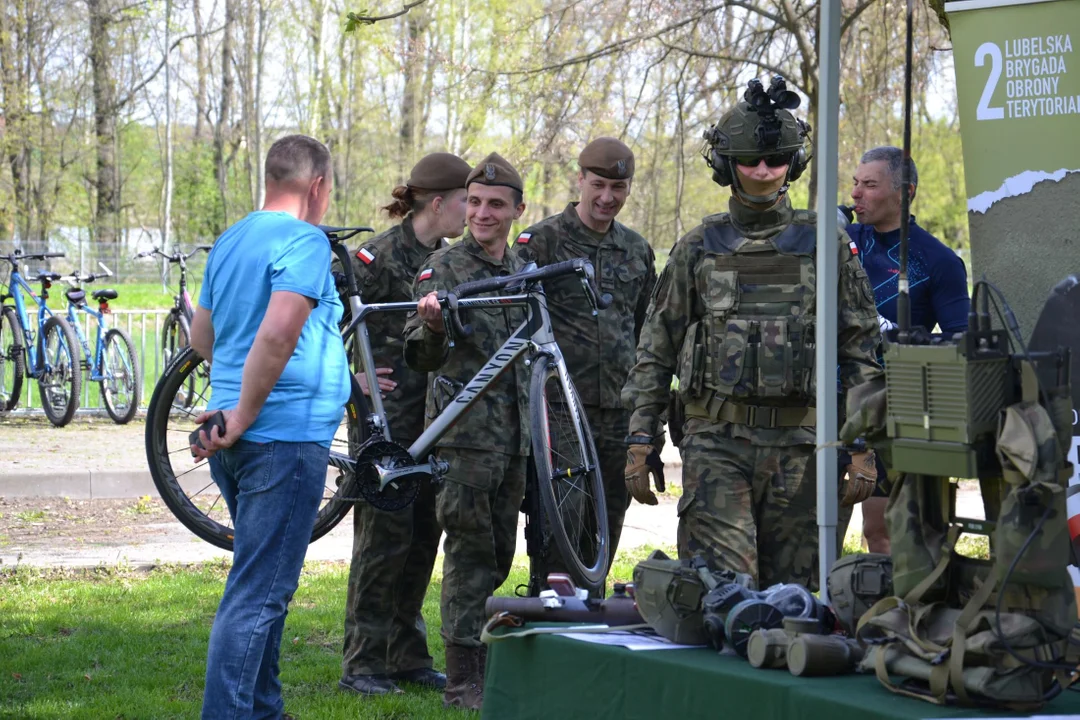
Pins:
<point x="113" y="364"/>
<point x="366" y="463"/>
<point x="44" y="348"/>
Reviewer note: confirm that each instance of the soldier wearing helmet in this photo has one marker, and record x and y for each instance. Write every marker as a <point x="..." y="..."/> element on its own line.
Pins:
<point x="733" y="317"/>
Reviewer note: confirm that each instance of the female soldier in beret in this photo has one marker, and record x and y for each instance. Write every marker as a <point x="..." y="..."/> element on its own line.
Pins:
<point x="394" y="552"/>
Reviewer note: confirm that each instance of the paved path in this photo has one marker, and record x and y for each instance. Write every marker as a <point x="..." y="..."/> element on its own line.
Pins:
<point x="163" y="540"/>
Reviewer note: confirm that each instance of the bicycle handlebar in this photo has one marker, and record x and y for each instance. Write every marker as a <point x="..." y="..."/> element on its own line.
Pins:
<point x="16" y="257"/>
<point x="341" y="234"/>
<point x="176" y="257"/>
<point x="75" y="278"/>
<point x="578" y="266"/>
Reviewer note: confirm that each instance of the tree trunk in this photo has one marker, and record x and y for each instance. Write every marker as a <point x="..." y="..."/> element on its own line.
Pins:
<point x="166" y="224"/>
<point x="14" y="138"/>
<point x="411" y="85"/>
<point x="200" y="70"/>
<point x="221" y="131"/>
<point x="105" y="184"/>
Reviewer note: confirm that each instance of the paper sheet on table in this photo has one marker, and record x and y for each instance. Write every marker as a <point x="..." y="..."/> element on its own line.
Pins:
<point x="630" y="640"/>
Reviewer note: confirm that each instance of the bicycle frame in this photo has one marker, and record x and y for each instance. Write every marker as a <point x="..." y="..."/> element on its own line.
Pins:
<point x="534" y="334"/>
<point x="95" y="361"/>
<point x="17" y="287"/>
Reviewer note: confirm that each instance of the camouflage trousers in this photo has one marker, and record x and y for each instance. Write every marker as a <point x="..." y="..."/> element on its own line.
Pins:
<point x="392" y="560"/>
<point x="609" y="430"/>
<point x="477" y="506"/>
<point x="751" y="508"/>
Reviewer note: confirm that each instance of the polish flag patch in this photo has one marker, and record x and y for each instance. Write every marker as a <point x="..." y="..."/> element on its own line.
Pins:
<point x="366" y="256"/>
<point x="425" y="274"/>
<point x="523" y="239"/>
<point x="854" y="248"/>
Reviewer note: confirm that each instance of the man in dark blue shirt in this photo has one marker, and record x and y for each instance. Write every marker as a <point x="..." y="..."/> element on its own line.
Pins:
<point x="937" y="277"/>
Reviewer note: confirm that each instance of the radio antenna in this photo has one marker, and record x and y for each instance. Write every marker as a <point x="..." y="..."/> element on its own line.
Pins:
<point x="903" y="301"/>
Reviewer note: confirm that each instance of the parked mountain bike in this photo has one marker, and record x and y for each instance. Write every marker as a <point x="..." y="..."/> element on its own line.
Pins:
<point x="369" y="464"/>
<point x="46" y="349"/>
<point x="113" y="364"/>
<point x="176" y="331"/>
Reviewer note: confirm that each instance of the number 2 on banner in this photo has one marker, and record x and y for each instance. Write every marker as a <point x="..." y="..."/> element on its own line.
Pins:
<point x="984" y="111"/>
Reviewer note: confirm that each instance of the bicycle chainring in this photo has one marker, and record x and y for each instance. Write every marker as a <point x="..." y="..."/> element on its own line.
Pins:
<point x="378" y="455"/>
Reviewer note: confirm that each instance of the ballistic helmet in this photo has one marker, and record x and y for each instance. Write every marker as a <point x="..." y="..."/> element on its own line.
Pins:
<point x="759" y="126"/>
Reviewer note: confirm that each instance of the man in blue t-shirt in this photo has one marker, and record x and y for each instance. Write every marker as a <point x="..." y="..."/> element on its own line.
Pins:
<point x="268" y="320"/>
<point x="936" y="275"/>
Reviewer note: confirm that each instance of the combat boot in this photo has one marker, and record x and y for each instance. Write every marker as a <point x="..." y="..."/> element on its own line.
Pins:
<point x="464" y="679"/>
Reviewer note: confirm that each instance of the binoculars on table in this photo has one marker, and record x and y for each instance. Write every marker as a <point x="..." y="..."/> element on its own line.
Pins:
<point x="803" y="650"/>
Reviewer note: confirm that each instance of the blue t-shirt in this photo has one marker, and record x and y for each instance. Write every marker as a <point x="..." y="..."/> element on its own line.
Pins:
<point x="937" y="277"/>
<point x="264" y="253"/>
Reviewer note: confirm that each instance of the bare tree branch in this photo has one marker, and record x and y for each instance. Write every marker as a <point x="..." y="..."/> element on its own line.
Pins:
<point x="362" y="18"/>
<point x="738" y="60"/>
<point x="149" y="78"/>
<point x="618" y="44"/>
<point x="854" y="15"/>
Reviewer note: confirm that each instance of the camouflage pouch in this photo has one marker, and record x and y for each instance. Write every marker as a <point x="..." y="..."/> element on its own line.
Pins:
<point x="856" y="583"/>
<point x="774" y="360"/>
<point x="948" y="656"/>
<point x="691" y="370"/>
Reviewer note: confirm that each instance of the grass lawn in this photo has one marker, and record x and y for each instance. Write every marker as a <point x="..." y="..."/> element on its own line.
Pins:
<point x="149" y="296"/>
<point x="132" y="644"/>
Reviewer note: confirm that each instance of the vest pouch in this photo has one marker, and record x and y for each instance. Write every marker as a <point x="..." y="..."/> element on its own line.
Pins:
<point x="729" y="355"/>
<point x="774" y="360"/>
<point x="691" y="370"/>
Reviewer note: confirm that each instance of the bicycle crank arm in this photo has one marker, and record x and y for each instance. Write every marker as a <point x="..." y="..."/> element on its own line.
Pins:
<point x="428" y="470"/>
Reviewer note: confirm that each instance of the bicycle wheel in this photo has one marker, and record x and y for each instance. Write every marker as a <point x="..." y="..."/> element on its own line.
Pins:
<point x="187" y="488"/>
<point x="568" y="474"/>
<point x="12" y="367"/>
<point x="61" y="376"/>
<point x="121" y="383"/>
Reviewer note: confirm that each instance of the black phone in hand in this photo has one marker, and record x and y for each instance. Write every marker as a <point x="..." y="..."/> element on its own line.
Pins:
<point x="216" y="420"/>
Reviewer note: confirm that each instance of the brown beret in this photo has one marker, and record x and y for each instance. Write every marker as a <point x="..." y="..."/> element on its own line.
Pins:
<point x="609" y="158"/>
<point x="439" y="171"/>
<point x="495" y="170"/>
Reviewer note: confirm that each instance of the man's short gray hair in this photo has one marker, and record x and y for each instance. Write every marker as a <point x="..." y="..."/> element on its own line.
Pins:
<point x="297" y="158"/>
<point x="894" y="157"/>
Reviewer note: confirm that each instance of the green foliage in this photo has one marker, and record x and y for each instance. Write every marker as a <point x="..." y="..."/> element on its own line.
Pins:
<point x="197" y="211"/>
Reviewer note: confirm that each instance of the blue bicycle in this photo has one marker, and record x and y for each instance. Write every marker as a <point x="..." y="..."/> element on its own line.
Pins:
<point x="113" y="363"/>
<point x="48" y="351"/>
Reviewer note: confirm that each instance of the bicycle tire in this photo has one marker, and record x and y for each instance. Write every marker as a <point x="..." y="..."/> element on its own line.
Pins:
<point x="132" y="376"/>
<point x="13" y="356"/>
<point x="70" y="373"/>
<point x="176" y="498"/>
<point x="568" y="441"/>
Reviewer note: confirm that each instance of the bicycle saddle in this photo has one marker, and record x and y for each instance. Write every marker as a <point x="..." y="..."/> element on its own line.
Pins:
<point x="48" y="275"/>
<point x="105" y="294"/>
<point x="76" y="296"/>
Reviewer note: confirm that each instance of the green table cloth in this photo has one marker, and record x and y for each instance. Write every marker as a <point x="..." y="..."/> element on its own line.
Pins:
<point x="549" y="677"/>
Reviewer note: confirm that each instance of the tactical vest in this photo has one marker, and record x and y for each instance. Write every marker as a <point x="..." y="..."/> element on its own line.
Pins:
<point x="755" y="337"/>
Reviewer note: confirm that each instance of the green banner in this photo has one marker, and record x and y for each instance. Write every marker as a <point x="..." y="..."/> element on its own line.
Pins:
<point x="1018" y="85"/>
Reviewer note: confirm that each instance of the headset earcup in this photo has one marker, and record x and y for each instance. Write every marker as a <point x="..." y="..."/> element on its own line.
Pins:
<point x="721" y="170"/>
<point x="798" y="165"/>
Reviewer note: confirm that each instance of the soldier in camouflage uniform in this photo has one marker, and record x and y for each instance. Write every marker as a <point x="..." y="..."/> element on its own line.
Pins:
<point x="599" y="349"/>
<point x="394" y="552"/>
<point x="733" y="316"/>
<point x="487" y="450"/>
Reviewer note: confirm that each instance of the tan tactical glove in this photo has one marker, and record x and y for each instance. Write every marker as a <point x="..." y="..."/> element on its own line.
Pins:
<point x="643" y="459"/>
<point x="860" y="479"/>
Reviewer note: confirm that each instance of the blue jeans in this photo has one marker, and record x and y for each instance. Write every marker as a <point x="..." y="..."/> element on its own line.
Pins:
<point x="273" y="491"/>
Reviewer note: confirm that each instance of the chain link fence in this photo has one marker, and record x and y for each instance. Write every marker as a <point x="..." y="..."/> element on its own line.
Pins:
<point x="83" y="254"/>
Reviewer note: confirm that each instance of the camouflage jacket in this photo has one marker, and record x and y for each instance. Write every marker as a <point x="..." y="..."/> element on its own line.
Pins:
<point x="688" y="292"/>
<point x="498" y="419"/>
<point x="384" y="268"/>
<point x="599" y="350"/>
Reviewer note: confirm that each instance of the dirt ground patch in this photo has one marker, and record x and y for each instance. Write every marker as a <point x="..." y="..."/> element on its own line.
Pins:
<point x="28" y="523"/>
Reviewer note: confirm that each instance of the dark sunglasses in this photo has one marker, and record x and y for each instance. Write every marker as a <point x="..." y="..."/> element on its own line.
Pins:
<point x="778" y="160"/>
